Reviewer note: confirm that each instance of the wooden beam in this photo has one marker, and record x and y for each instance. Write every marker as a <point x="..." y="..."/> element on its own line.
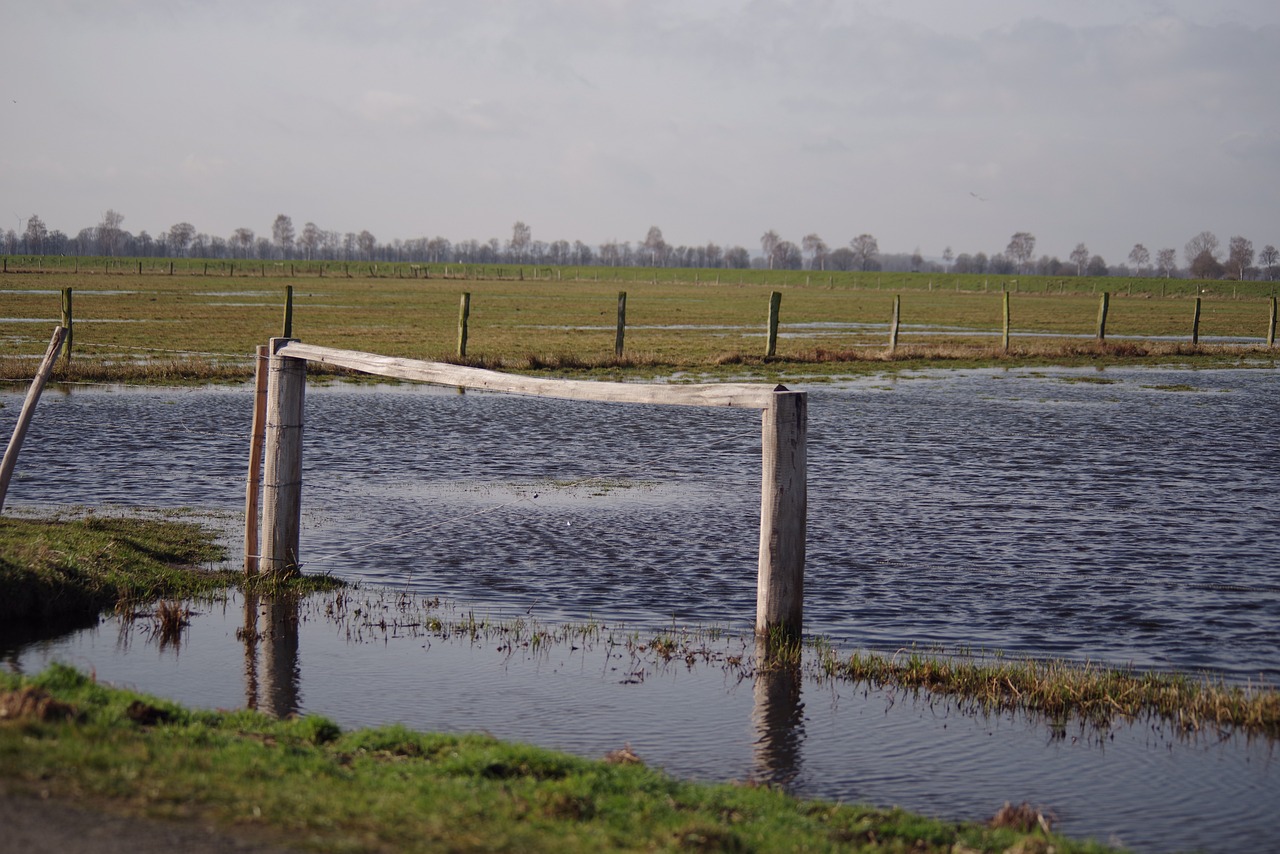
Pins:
<point x="783" y="512"/>
<point x="282" y="471"/>
<point x="60" y="334"/>
<point x="746" y="395"/>
<point x="253" y="481"/>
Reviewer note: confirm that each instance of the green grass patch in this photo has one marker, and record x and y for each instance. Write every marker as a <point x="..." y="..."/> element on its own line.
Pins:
<point x="305" y="783"/>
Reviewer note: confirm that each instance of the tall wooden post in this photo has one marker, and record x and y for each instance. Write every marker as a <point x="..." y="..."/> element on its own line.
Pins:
<point x="1006" y="321"/>
<point x="28" y="411"/>
<point x="783" y="509"/>
<point x="893" y="324"/>
<point x="775" y="303"/>
<point x="1103" y="304"/>
<point x="622" y="324"/>
<point x="282" y="471"/>
<point x="252" y="507"/>
<point x="464" y="313"/>
<point x="288" y="311"/>
<point x="1195" y="324"/>
<point x="1271" y="325"/>
<point x="66" y="323"/>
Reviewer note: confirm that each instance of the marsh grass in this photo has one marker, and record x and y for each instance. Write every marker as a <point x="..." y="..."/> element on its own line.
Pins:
<point x="304" y="782"/>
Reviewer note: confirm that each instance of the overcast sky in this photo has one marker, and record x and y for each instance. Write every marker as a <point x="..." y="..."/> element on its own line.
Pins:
<point x="928" y="123"/>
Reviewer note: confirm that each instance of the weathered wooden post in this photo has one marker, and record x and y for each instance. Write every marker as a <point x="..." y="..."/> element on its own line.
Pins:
<point x="893" y="324"/>
<point x="464" y="313"/>
<point x="252" y="506"/>
<point x="66" y="323"/>
<point x="1271" y="325"/>
<point x="1006" y="321"/>
<point x="1195" y="324"/>
<point x="282" y="470"/>
<point x="783" y="509"/>
<point x="1103" y="304"/>
<point x="622" y="324"/>
<point x="28" y="411"/>
<point x="775" y="302"/>
<point x="288" y="311"/>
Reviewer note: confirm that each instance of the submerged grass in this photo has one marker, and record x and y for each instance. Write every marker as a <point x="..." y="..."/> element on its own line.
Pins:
<point x="304" y="783"/>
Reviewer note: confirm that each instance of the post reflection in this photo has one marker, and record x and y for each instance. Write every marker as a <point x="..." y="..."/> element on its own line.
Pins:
<point x="777" y="719"/>
<point x="271" y="672"/>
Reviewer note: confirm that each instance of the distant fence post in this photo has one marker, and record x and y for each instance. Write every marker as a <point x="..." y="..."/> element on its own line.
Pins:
<point x="288" y="311"/>
<point x="1271" y="325"/>
<point x="257" y="436"/>
<point x="66" y="323"/>
<point x="893" y="324"/>
<point x="783" y="510"/>
<point x="28" y="410"/>
<point x="464" y="313"/>
<point x="1195" y="324"/>
<point x="622" y="324"/>
<point x="1104" y="303"/>
<point x="1006" y="322"/>
<point x="282" y="470"/>
<point x="775" y="303"/>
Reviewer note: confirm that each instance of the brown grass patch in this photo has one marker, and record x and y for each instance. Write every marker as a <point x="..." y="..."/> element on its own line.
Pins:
<point x="31" y="703"/>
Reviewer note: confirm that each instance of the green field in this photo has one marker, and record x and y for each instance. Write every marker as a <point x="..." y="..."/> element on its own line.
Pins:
<point x="129" y="314"/>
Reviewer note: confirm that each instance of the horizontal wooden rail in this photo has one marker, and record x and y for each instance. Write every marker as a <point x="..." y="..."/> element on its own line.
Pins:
<point x="744" y="395"/>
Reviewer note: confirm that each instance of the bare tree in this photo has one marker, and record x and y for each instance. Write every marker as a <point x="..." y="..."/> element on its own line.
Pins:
<point x="1139" y="256"/>
<point x="367" y="243"/>
<point x="521" y="237"/>
<point x="310" y="239"/>
<point x="1097" y="266"/>
<point x="1167" y="261"/>
<point x="282" y="234"/>
<point x="1204" y="243"/>
<point x="109" y="232"/>
<point x="768" y="244"/>
<point x="243" y="237"/>
<point x="180" y="236"/>
<point x="1269" y="258"/>
<point x="865" y="249"/>
<point x="1022" y="248"/>
<point x="654" y="243"/>
<point x="817" y="248"/>
<point x="947" y="257"/>
<point x="36" y="234"/>
<point x="1080" y="257"/>
<point x="1239" y="256"/>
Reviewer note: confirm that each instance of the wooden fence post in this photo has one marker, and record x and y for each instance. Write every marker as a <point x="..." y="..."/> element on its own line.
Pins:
<point x="1195" y="324"/>
<point x="622" y="324"/>
<point x="282" y="470"/>
<point x="775" y="302"/>
<point x="66" y="323"/>
<point x="464" y="313"/>
<point x="1271" y="325"/>
<point x="288" y="311"/>
<point x="251" y="495"/>
<point x="893" y="324"/>
<point x="1103" y="304"/>
<point x="28" y="411"/>
<point x="1006" y="321"/>
<point x="783" y="509"/>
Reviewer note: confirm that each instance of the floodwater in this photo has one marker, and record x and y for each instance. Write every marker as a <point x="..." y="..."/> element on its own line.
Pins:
<point x="1118" y="516"/>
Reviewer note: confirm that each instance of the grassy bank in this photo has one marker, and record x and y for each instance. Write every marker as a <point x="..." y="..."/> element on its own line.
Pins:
<point x="192" y="326"/>
<point x="305" y="783"/>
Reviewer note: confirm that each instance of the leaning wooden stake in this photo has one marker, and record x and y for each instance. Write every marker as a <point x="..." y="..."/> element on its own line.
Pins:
<point x="256" y="440"/>
<point x="464" y="313"/>
<point x="893" y="324"/>
<point x="28" y="410"/>
<point x="1271" y="325"/>
<point x="288" y="312"/>
<point x="66" y="322"/>
<point x="1103" y="304"/>
<point x="775" y="302"/>
<point x="1195" y="324"/>
<point x="783" y="510"/>
<point x="282" y="471"/>
<point x="1006" y="321"/>
<point x="622" y="324"/>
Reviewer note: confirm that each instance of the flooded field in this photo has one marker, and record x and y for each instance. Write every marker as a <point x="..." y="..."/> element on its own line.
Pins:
<point x="1126" y="517"/>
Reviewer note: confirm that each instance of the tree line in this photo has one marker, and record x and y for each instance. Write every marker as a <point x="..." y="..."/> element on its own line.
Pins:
<point x="1203" y="254"/>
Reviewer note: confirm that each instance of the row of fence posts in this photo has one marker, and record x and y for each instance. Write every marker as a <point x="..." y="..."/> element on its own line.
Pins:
<point x="771" y="347"/>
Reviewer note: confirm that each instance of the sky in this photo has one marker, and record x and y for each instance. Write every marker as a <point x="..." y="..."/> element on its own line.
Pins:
<point x="926" y="123"/>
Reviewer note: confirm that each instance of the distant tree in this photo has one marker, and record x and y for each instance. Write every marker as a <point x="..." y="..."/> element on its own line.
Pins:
<point x="1269" y="258"/>
<point x="947" y="257"/>
<point x="1239" y="256"/>
<point x="787" y="256"/>
<point x="1204" y="242"/>
<point x="180" y="236"/>
<point x="817" y="249"/>
<point x="1002" y="265"/>
<point x="865" y="249"/>
<point x="521" y="237"/>
<point x="1139" y="256"/>
<point x="1097" y="266"/>
<point x="1205" y="266"/>
<point x="737" y="258"/>
<point x="36" y="234"/>
<point x="981" y="263"/>
<point x="144" y="244"/>
<point x="1080" y="257"/>
<point x="917" y="260"/>
<point x="582" y="254"/>
<point x="243" y="237"/>
<point x="262" y="249"/>
<point x="310" y="239"/>
<point x="654" y="245"/>
<point x="282" y="234"/>
<point x="714" y="255"/>
<point x="768" y="243"/>
<point x="963" y="263"/>
<point x="109" y="232"/>
<point x="367" y="243"/>
<point x="1021" y="249"/>
<point x="1167" y="261"/>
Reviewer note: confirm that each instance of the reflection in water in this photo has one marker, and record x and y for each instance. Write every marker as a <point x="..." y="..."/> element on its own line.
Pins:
<point x="777" y="720"/>
<point x="272" y="623"/>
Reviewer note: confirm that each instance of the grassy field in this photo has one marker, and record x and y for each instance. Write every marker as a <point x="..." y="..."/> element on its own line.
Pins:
<point x="303" y="783"/>
<point x="191" y="323"/>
